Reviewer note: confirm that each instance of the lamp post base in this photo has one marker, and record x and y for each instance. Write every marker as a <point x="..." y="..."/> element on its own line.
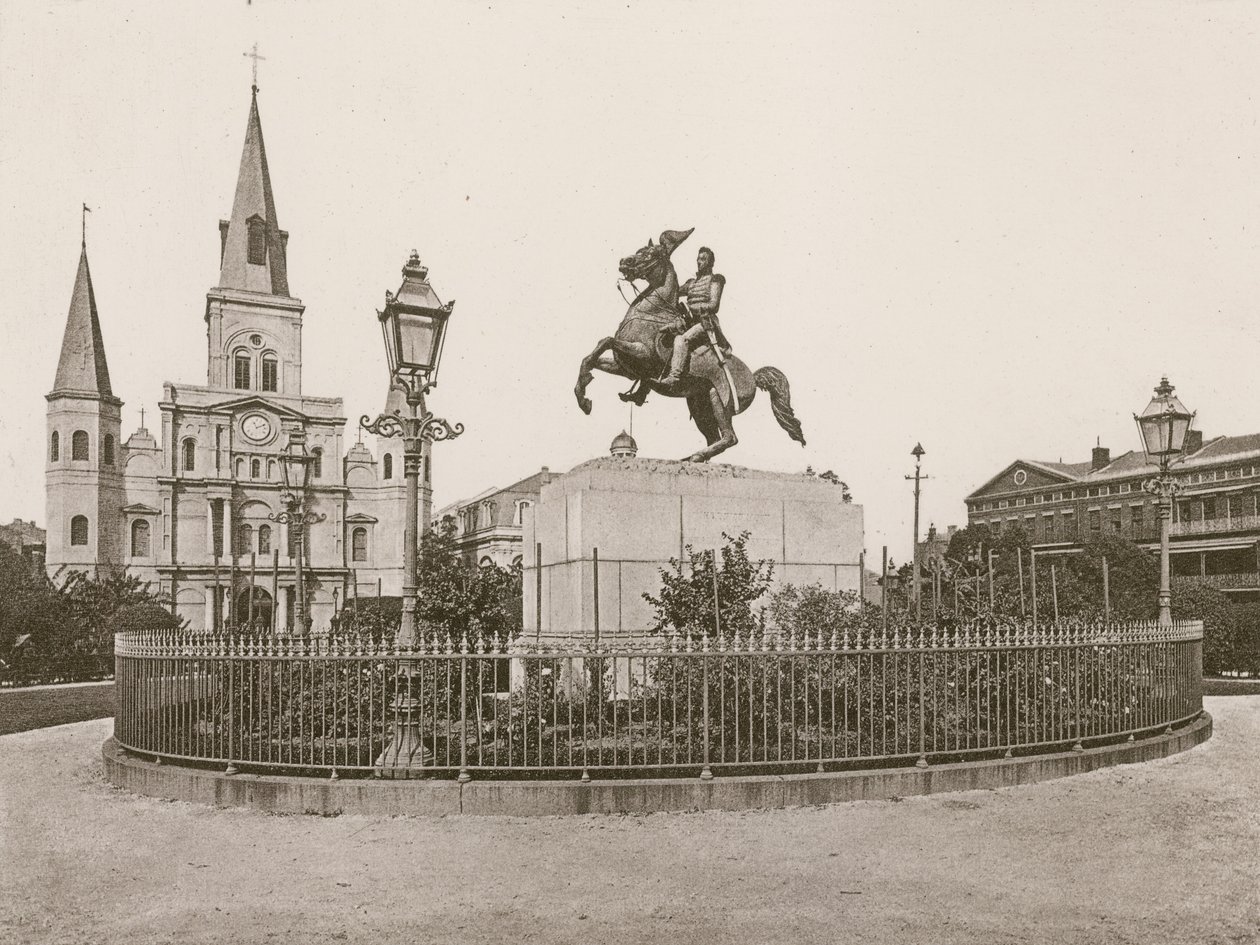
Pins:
<point x="406" y="756"/>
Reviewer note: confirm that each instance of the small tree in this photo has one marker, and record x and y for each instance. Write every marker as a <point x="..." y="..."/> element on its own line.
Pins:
<point x="686" y="600"/>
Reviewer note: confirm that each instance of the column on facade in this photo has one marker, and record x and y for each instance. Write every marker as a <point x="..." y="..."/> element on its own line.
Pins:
<point x="281" y="603"/>
<point x="210" y="606"/>
<point x="210" y="527"/>
<point x="229" y="549"/>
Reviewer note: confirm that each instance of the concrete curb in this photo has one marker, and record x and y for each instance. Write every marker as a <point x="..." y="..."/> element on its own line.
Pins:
<point x="386" y="798"/>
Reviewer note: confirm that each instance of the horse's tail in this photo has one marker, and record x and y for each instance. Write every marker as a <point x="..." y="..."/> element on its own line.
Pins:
<point x="775" y="383"/>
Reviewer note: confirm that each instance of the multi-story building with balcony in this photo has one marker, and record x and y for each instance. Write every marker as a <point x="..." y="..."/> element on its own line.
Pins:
<point x="1215" y="534"/>
<point x="488" y="527"/>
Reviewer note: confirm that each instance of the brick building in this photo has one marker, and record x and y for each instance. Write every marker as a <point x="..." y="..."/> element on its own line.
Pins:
<point x="1215" y="534"/>
<point x="26" y="538"/>
<point x="488" y="526"/>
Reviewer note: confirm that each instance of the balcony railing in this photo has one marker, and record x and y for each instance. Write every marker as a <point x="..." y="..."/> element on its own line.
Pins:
<point x="1216" y="526"/>
<point x="1226" y="582"/>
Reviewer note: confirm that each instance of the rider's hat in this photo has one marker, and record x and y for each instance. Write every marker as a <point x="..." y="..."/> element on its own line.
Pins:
<point x="671" y="238"/>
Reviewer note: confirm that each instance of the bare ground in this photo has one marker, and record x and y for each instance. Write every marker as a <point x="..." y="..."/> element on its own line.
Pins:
<point x="1162" y="852"/>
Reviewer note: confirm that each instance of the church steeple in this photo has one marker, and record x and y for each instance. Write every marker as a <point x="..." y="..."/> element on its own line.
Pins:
<point x="82" y="368"/>
<point x="252" y="244"/>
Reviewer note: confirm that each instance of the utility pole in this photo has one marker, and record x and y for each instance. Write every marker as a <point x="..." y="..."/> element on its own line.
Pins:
<point x="917" y="453"/>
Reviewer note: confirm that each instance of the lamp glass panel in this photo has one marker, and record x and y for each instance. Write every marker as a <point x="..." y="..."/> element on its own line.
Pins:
<point x="391" y="346"/>
<point x="1179" y="426"/>
<point x="1159" y="427"/>
<point x="418" y="337"/>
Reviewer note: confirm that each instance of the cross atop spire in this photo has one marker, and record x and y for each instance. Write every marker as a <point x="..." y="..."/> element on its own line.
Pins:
<point x="253" y="54"/>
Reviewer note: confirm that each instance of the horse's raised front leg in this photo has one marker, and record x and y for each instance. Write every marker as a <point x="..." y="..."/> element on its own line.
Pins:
<point x="584" y="373"/>
<point x="726" y="432"/>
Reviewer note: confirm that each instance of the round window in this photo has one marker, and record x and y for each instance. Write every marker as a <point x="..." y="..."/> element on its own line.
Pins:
<point x="256" y="340"/>
<point x="1021" y="477"/>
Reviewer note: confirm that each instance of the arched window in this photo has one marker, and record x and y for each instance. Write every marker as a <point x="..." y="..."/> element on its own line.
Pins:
<point x="240" y="370"/>
<point x="317" y="463"/>
<point x="79" y="530"/>
<point x="107" y="453"/>
<point x="245" y="539"/>
<point x="240" y="468"/>
<point x="292" y="534"/>
<point x="426" y="469"/>
<point x="521" y="506"/>
<point x="139" y="538"/>
<point x="54" y="447"/>
<point x="270" y="372"/>
<point x="358" y="544"/>
<point x="79" y="445"/>
<point x="389" y="465"/>
<point x="271" y="469"/>
<point x="486" y="562"/>
<point x="264" y="539"/>
<point x="190" y="454"/>
<point x="255" y="468"/>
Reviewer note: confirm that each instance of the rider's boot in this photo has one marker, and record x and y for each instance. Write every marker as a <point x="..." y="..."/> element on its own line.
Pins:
<point x="637" y="394"/>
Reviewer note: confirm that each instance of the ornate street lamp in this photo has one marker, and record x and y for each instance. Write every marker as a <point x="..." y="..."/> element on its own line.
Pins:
<point x="295" y="465"/>
<point x="1164" y="425"/>
<point x="413" y="323"/>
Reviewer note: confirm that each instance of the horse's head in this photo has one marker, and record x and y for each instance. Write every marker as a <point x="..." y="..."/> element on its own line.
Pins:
<point x="651" y="262"/>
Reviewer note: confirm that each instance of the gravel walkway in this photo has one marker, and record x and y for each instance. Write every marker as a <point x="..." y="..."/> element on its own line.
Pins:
<point x="1162" y="852"/>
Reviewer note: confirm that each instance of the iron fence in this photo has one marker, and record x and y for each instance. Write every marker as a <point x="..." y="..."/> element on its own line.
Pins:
<point x="669" y="706"/>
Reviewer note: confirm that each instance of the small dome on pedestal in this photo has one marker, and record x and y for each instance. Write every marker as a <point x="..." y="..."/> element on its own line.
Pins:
<point x="623" y="445"/>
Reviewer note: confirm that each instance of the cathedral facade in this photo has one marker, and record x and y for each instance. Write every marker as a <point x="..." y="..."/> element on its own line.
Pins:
<point x="194" y="508"/>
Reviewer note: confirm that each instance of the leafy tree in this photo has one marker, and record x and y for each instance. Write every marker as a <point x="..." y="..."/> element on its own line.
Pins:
<point x="465" y="598"/>
<point x="1133" y="576"/>
<point x="31" y="611"/>
<point x="812" y="612"/>
<point x="685" y="603"/>
<point x="93" y="605"/>
<point x="970" y="544"/>
<point x="455" y="596"/>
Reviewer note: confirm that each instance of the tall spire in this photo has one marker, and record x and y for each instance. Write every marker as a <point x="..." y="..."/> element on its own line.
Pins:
<point x="253" y="245"/>
<point x="82" y="368"/>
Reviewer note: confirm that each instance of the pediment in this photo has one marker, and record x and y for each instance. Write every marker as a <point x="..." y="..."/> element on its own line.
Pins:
<point x="362" y="518"/>
<point x="1021" y="476"/>
<point x="139" y="508"/>
<point x="254" y="402"/>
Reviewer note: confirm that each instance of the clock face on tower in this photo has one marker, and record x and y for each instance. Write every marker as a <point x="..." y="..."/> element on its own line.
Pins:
<point x="256" y="427"/>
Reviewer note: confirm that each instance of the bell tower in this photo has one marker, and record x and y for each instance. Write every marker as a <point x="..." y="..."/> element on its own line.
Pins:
<point x="253" y="324"/>
<point x="83" y="458"/>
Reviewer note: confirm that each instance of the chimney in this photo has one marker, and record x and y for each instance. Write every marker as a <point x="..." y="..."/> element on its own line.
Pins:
<point x="1194" y="441"/>
<point x="1101" y="457"/>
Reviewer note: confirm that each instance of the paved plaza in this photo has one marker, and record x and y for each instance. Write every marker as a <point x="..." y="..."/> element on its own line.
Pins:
<point x="1166" y="851"/>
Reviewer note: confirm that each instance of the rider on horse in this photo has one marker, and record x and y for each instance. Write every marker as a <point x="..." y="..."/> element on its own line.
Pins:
<point x="704" y="298"/>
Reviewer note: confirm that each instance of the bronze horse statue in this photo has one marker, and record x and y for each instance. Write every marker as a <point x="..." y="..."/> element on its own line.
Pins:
<point x="717" y="385"/>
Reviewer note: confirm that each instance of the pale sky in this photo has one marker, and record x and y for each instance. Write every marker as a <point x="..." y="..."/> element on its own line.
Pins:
<point x="988" y="227"/>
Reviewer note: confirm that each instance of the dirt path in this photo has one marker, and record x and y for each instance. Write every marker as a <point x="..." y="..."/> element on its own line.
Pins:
<point x="1164" y="852"/>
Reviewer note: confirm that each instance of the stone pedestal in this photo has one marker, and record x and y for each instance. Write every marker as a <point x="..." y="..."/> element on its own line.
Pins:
<point x="634" y="515"/>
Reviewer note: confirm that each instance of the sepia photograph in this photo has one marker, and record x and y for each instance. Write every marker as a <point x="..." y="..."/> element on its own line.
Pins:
<point x="654" y="472"/>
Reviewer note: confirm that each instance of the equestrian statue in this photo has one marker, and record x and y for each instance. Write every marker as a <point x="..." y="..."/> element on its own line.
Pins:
<point x="677" y="349"/>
